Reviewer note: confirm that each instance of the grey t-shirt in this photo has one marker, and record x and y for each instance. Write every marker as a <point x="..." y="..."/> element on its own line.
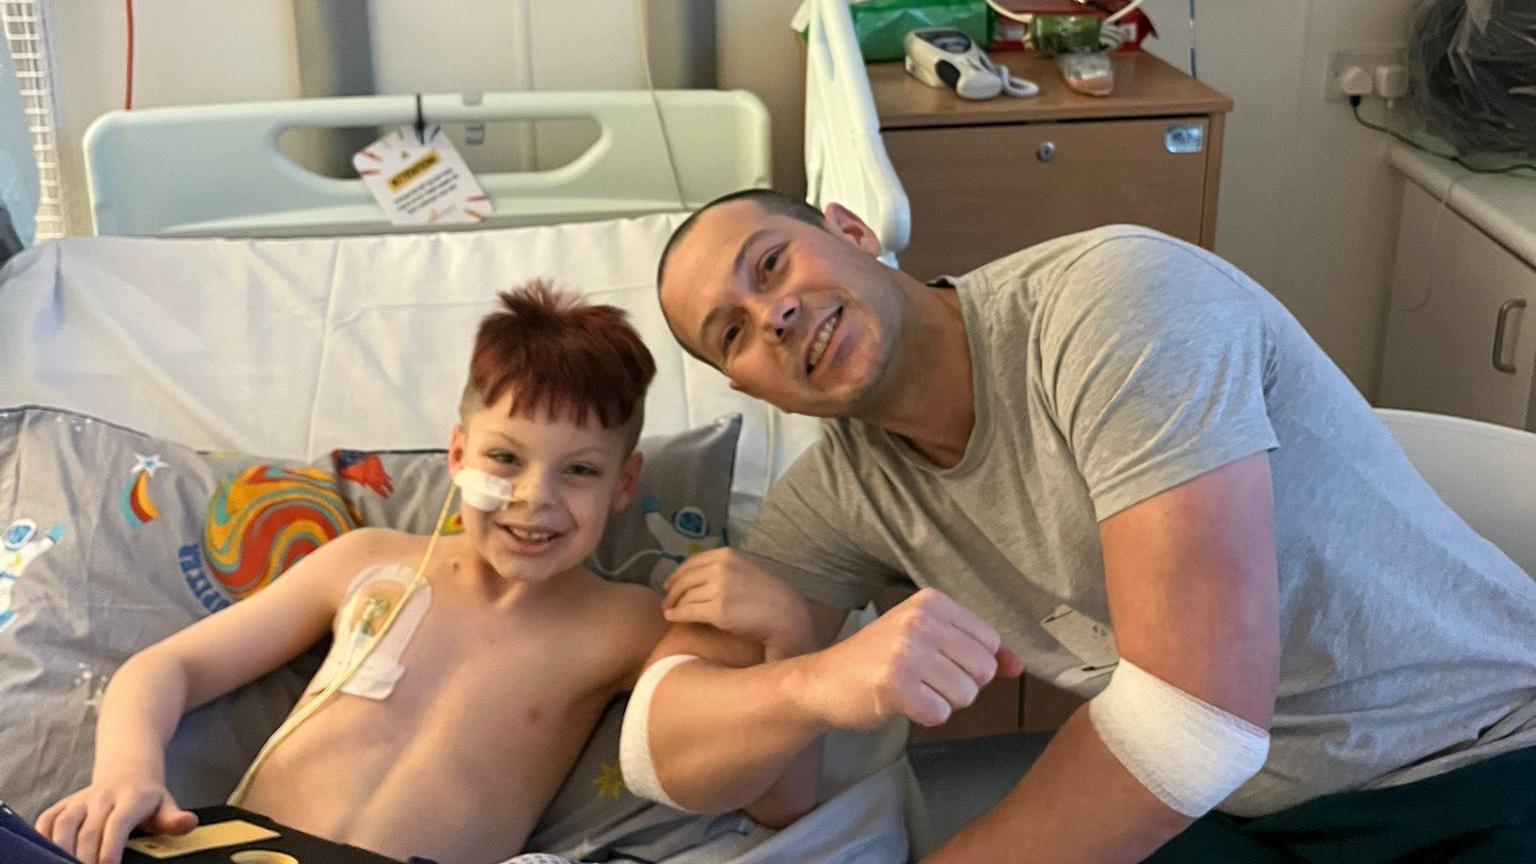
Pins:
<point x="1110" y="366"/>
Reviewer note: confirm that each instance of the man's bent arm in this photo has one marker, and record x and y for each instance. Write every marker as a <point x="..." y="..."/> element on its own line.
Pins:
<point x="1193" y="594"/>
<point x="725" y="734"/>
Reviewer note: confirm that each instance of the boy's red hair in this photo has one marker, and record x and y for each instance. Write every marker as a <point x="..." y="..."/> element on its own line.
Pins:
<point x="569" y="359"/>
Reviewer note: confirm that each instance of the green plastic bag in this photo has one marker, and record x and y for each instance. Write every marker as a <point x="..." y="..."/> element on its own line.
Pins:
<point x="882" y="25"/>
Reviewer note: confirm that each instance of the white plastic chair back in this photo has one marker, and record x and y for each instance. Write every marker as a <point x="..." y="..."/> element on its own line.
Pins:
<point x="1486" y="473"/>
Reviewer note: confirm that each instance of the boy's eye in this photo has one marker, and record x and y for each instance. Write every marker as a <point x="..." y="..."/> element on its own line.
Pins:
<point x="502" y="457"/>
<point x="586" y="470"/>
<point x="729" y="336"/>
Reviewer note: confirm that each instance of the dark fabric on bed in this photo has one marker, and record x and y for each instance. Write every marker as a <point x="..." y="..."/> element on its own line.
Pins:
<point x="1484" y="813"/>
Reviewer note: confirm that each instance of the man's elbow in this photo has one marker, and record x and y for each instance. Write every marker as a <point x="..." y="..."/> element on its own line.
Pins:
<point x="780" y="814"/>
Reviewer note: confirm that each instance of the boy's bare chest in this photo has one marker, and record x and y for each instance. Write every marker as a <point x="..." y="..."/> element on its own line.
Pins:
<point x="464" y="656"/>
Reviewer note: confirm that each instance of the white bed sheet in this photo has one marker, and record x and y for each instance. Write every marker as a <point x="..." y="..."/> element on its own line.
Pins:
<point x="288" y="348"/>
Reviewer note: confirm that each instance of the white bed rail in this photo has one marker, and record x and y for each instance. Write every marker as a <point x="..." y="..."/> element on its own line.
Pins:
<point x="845" y="160"/>
<point x="217" y="170"/>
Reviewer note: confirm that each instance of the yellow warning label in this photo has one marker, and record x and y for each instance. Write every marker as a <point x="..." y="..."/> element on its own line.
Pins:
<point x="413" y="171"/>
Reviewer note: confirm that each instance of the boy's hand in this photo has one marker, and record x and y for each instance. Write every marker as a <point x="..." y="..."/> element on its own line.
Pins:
<point x="94" y="823"/>
<point x="724" y="589"/>
<point x="924" y="659"/>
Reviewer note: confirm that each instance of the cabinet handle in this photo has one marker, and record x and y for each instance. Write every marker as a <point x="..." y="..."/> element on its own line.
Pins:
<point x="1046" y="152"/>
<point x="1184" y="138"/>
<point x="1498" y="335"/>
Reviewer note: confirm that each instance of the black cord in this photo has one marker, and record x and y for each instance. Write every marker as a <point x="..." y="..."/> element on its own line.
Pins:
<point x="1354" y="105"/>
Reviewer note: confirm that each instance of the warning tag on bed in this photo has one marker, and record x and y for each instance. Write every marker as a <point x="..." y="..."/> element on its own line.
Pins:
<point x="421" y="182"/>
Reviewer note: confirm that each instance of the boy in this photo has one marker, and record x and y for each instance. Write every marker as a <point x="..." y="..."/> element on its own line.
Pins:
<point x="456" y="731"/>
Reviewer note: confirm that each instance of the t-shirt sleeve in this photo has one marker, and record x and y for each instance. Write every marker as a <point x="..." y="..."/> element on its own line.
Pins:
<point x="1153" y="362"/>
<point x="806" y="534"/>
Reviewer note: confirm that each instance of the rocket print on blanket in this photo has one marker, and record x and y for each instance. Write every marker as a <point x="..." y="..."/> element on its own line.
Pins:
<point x="365" y="469"/>
<point x="20" y="546"/>
<point x="138" y="508"/>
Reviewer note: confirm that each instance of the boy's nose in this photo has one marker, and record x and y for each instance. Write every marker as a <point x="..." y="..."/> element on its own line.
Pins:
<point x="531" y="491"/>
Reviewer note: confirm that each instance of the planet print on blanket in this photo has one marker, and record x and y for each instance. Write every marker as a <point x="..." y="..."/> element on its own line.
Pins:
<point x="262" y="520"/>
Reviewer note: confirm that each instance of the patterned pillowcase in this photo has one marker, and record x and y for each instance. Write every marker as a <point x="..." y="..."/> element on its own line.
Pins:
<point x="111" y="540"/>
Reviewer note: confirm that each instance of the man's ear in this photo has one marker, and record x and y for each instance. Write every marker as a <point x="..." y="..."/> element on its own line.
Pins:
<point x="846" y="224"/>
<point x="456" y="449"/>
<point x="629" y="482"/>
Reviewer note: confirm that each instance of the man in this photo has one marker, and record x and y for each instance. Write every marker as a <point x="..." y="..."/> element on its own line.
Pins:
<point x="1116" y="457"/>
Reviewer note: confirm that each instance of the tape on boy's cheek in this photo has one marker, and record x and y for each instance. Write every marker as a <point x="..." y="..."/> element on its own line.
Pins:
<point x="482" y="491"/>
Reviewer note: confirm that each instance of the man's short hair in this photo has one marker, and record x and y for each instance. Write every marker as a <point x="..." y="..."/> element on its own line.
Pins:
<point x="768" y="199"/>
<point x="564" y="357"/>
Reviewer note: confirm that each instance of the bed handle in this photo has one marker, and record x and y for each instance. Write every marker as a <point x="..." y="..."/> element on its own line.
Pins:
<point x="1499" y="326"/>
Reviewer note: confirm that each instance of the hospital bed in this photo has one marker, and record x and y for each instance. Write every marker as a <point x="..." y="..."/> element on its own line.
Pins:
<point x="235" y="301"/>
<point x="349" y="329"/>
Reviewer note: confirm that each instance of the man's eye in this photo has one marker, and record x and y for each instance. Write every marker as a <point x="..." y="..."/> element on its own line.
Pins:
<point x="729" y="336"/>
<point x="771" y="261"/>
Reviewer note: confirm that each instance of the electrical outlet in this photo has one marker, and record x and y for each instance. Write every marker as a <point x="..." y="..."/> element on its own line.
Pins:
<point x="1367" y="57"/>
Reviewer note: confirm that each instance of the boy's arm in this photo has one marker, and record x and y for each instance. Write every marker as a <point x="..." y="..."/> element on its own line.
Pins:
<point x="719" y="736"/>
<point x="774" y="792"/>
<point x="794" y="794"/>
<point x="149" y="693"/>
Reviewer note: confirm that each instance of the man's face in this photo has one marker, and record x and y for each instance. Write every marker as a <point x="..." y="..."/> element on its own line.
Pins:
<point x="801" y="316"/>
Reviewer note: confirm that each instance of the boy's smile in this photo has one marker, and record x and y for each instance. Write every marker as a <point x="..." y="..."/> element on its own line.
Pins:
<point x="565" y="478"/>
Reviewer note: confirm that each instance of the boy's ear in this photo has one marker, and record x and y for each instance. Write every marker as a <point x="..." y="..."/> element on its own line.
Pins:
<point x="456" y="449"/>
<point x="629" y="481"/>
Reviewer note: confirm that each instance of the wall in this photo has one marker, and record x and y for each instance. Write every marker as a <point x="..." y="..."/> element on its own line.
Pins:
<point x="187" y="51"/>
<point x="1308" y="203"/>
<point x="757" y="51"/>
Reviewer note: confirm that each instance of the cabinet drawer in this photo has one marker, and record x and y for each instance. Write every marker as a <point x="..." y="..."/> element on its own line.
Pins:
<point x="995" y="712"/>
<point x="981" y="192"/>
<point x="1455" y="293"/>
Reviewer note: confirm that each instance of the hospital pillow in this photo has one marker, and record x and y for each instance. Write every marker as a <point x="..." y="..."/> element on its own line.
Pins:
<point x="113" y="540"/>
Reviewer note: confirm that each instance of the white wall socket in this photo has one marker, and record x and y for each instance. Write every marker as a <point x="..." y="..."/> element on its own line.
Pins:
<point x="1367" y="57"/>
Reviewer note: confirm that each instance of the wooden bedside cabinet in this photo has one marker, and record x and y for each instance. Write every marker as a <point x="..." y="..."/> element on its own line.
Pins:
<point x="985" y="179"/>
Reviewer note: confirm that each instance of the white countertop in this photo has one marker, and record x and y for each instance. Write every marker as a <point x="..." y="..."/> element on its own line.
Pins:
<point x="1502" y="205"/>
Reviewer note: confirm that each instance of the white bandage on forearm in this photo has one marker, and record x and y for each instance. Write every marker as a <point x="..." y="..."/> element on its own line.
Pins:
<point x="635" y="739"/>
<point x="1188" y="753"/>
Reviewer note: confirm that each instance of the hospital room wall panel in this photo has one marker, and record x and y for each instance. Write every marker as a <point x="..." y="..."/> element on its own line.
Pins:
<point x="187" y="52"/>
<point x="756" y="51"/>
<point x="1308" y="202"/>
<point x="478" y="46"/>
